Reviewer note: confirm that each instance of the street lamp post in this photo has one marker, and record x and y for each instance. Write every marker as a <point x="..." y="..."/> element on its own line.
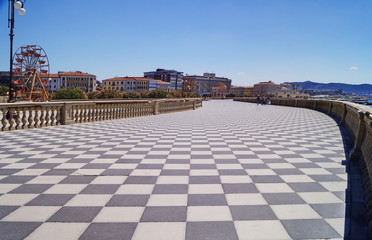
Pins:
<point x="12" y="4"/>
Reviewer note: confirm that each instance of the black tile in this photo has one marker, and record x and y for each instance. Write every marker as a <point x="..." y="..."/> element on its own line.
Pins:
<point x="17" y="230"/>
<point x="206" y="200"/>
<point x="252" y="212"/>
<point x="204" y="180"/>
<point x="100" y="189"/>
<point x="31" y="188"/>
<point x="141" y="180"/>
<point x="128" y="200"/>
<point x="78" y="180"/>
<point x="59" y="172"/>
<point x="75" y="214"/>
<point x="283" y="198"/>
<point x="171" y="189"/>
<point x="307" y="187"/>
<point x="239" y="188"/>
<point x="109" y="231"/>
<point x="326" y="178"/>
<point x="175" y="172"/>
<point x="330" y="210"/>
<point x="16" y="179"/>
<point x="116" y="172"/>
<point x="266" y="179"/>
<point x="309" y="229"/>
<point x="211" y="230"/>
<point x="164" y="214"/>
<point x="5" y="210"/>
<point x="50" y="200"/>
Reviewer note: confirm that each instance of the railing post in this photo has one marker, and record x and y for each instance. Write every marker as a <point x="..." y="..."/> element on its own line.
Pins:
<point x="344" y="111"/>
<point x="66" y="114"/>
<point x="330" y="107"/>
<point x="194" y="104"/>
<point x="156" y="107"/>
<point x="315" y="104"/>
<point x="356" y="151"/>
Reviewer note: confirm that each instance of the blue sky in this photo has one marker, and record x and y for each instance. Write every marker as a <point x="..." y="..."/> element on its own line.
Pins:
<point x="246" y="40"/>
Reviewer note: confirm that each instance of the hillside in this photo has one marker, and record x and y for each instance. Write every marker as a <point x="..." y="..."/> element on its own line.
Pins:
<point x="360" y="89"/>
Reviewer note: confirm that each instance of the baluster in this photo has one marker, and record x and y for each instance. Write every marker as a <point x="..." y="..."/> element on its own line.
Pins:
<point x="53" y="116"/>
<point x="76" y="113"/>
<point x="4" y="120"/>
<point x="42" y="117"/>
<point x="58" y="115"/>
<point x="31" y="114"/>
<point x="36" y="118"/>
<point x="24" y="117"/>
<point x="11" y="113"/>
<point x="47" y="116"/>
<point x="81" y="113"/>
<point x="18" y="118"/>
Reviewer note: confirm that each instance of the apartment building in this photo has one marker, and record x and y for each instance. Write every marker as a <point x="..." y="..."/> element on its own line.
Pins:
<point x="203" y="84"/>
<point x="174" y="77"/>
<point x="83" y="81"/>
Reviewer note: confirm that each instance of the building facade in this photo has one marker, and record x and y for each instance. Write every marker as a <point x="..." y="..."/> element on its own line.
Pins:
<point x="219" y="90"/>
<point x="203" y="84"/>
<point x="4" y="78"/>
<point x="241" y="91"/>
<point x="265" y="88"/>
<point x="83" y="81"/>
<point x="174" y="77"/>
<point x="157" y="84"/>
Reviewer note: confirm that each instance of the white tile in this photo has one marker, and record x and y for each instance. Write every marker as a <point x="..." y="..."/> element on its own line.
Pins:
<point x="208" y="213"/>
<point x="273" y="188"/>
<point x="135" y="189"/>
<point x="109" y="180"/>
<point x="70" y="165"/>
<point x="173" y="180"/>
<point x="88" y="172"/>
<point x="167" y="200"/>
<point x="245" y="199"/>
<point x="16" y="199"/>
<point x="280" y="165"/>
<point x="46" y="180"/>
<point x="145" y="172"/>
<point x="338" y="224"/>
<point x="123" y="165"/>
<point x="65" y="188"/>
<point x="7" y="187"/>
<point x="261" y="230"/>
<point x="315" y="171"/>
<point x="319" y="197"/>
<point x="160" y="231"/>
<point x="89" y="200"/>
<point x="177" y="166"/>
<point x="30" y="172"/>
<point x="295" y="211"/>
<point x="296" y="178"/>
<point x="334" y="186"/>
<point x="58" y="231"/>
<point x="260" y="172"/>
<point x="18" y="165"/>
<point x="205" y="189"/>
<point x="31" y="214"/>
<point x="229" y="166"/>
<point x="235" y="179"/>
<point x="204" y="172"/>
<point x="119" y="214"/>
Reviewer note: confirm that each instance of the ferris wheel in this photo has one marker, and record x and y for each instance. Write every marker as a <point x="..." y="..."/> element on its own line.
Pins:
<point x="31" y="73"/>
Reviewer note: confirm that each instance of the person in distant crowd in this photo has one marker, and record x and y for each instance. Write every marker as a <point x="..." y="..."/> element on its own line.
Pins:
<point x="258" y="100"/>
<point x="262" y="99"/>
<point x="267" y="100"/>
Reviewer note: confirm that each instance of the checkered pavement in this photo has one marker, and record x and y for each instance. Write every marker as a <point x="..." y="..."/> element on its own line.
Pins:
<point x="229" y="170"/>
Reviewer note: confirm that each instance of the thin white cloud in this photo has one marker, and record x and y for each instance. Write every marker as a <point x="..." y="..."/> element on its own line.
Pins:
<point x="240" y="73"/>
<point x="353" y="68"/>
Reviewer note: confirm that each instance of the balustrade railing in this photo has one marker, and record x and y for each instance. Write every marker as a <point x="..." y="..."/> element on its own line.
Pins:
<point x="357" y="119"/>
<point x="15" y="116"/>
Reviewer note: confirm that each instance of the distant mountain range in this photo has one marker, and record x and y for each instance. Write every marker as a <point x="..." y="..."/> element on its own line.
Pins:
<point x="359" y="89"/>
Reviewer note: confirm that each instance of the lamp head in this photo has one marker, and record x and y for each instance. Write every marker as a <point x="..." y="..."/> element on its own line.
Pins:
<point x="18" y="5"/>
<point x="22" y="11"/>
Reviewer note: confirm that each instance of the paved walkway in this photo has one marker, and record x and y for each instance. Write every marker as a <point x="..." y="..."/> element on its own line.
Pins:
<point x="227" y="171"/>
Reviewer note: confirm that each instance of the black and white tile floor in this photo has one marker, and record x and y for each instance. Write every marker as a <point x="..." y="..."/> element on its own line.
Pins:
<point x="230" y="170"/>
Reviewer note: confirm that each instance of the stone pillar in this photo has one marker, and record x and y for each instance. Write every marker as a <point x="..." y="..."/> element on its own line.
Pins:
<point x="343" y="116"/>
<point x="359" y="135"/>
<point x="156" y="107"/>
<point x="66" y="114"/>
